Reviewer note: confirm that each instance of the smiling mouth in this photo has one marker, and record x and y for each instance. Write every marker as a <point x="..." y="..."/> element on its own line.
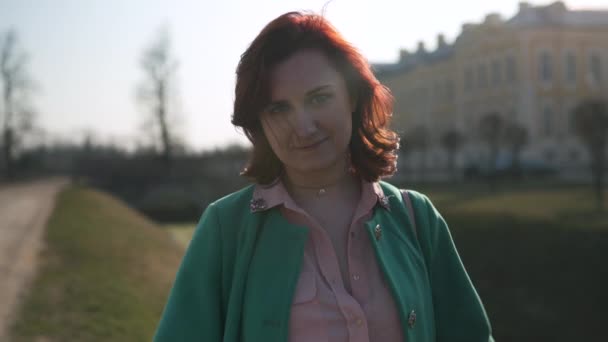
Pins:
<point x="311" y="146"/>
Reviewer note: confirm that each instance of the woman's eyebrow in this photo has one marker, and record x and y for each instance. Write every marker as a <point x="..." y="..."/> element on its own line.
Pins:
<point x="277" y="103"/>
<point x="308" y="93"/>
<point x="319" y="88"/>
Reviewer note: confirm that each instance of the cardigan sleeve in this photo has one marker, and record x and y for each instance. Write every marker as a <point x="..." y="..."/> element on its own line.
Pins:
<point x="459" y="312"/>
<point x="193" y="311"/>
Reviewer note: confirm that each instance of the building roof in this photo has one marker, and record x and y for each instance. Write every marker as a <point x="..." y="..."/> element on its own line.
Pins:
<point x="555" y="14"/>
<point x="409" y="61"/>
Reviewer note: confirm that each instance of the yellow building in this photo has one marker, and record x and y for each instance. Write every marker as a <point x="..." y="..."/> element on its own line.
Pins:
<point x="532" y="69"/>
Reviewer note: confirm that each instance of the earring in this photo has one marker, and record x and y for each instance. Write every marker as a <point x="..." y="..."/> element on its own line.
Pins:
<point x="349" y="163"/>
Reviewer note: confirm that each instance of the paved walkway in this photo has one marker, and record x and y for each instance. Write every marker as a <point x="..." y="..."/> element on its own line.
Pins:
<point x="24" y="211"/>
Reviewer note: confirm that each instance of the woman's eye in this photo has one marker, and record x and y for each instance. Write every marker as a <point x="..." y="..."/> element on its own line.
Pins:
<point x="320" y="98"/>
<point x="277" y="109"/>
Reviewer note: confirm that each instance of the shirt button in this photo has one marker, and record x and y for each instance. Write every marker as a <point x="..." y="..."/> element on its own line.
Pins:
<point x="356" y="277"/>
<point x="359" y="322"/>
<point x="352" y="234"/>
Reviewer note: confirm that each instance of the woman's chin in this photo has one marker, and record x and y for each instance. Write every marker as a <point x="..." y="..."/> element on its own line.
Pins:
<point x="315" y="166"/>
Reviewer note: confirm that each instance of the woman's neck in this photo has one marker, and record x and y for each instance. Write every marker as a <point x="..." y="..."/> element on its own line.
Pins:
<point x="308" y="187"/>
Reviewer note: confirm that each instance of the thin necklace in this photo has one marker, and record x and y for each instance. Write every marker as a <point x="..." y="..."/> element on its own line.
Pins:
<point x="320" y="190"/>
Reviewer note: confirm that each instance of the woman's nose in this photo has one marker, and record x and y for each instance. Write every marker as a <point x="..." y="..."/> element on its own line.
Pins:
<point x="303" y="123"/>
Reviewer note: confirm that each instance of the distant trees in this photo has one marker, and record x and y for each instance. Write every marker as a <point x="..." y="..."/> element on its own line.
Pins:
<point x="452" y="141"/>
<point x="17" y="112"/>
<point x="501" y="134"/>
<point x="196" y="179"/>
<point x="491" y="128"/>
<point x="515" y="137"/>
<point x="419" y="140"/>
<point x="591" y="125"/>
<point x="157" y="92"/>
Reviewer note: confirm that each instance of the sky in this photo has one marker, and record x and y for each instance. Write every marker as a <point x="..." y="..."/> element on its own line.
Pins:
<point x="84" y="55"/>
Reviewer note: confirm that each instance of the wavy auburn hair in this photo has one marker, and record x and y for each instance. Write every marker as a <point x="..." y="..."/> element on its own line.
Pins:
<point x="373" y="144"/>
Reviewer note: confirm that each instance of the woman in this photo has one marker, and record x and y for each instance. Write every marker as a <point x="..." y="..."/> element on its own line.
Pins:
<point x="318" y="249"/>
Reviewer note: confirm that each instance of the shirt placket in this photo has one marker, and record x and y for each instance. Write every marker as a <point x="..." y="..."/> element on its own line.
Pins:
<point x="356" y="322"/>
<point x="357" y="269"/>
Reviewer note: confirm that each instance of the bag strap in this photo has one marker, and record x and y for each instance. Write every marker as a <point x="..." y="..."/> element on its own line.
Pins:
<point x="408" y="203"/>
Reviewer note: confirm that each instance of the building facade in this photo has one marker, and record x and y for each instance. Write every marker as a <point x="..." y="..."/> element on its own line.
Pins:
<point x="531" y="69"/>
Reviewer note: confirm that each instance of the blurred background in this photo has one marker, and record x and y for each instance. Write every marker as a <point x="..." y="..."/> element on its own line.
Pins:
<point x="115" y="117"/>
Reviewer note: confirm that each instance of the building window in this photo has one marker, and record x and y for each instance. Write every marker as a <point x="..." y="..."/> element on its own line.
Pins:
<point x="549" y="154"/>
<point x="468" y="78"/>
<point x="482" y="76"/>
<point x="574" y="155"/>
<point x="496" y="75"/>
<point x="510" y="69"/>
<point x="547" y="128"/>
<point x="417" y="98"/>
<point x="595" y="69"/>
<point x="545" y="67"/>
<point x="449" y="90"/>
<point x="436" y="160"/>
<point x="438" y="91"/>
<point x="572" y="122"/>
<point x="570" y="67"/>
<point x="424" y="97"/>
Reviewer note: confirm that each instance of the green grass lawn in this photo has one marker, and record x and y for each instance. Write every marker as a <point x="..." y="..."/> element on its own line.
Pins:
<point x="573" y="207"/>
<point x="104" y="275"/>
<point x="181" y="232"/>
<point x="537" y="258"/>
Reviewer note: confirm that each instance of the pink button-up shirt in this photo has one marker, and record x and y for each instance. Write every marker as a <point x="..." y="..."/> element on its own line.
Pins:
<point x="324" y="307"/>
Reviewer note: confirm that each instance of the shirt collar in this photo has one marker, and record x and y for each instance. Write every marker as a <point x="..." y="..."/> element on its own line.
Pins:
<point x="275" y="194"/>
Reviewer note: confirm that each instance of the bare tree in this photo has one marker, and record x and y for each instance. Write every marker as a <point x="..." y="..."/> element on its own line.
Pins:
<point x="516" y="137"/>
<point x="591" y="125"/>
<point x="419" y="141"/>
<point x="491" y="127"/>
<point x="157" y="91"/>
<point x="452" y="141"/>
<point x="490" y="131"/>
<point x="18" y="114"/>
<point x="404" y="153"/>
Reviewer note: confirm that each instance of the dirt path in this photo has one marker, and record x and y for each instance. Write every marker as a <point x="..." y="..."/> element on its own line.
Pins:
<point x="24" y="211"/>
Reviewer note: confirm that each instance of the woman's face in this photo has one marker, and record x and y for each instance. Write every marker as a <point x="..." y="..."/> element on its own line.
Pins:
<point x="308" y="122"/>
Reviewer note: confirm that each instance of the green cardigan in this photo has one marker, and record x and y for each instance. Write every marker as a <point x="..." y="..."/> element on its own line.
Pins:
<point x="238" y="276"/>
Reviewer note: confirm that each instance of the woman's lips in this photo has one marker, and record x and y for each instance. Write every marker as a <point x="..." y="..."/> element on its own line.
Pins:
<point x="311" y="146"/>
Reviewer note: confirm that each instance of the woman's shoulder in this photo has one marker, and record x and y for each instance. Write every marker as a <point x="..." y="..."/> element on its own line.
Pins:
<point x="390" y="189"/>
<point x="239" y="199"/>
<point x="227" y="214"/>
<point x="419" y="200"/>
